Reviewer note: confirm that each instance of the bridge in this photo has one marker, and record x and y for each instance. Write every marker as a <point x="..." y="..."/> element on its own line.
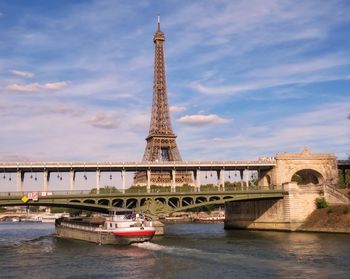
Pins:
<point x="261" y="166"/>
<point x="47" y="168"/>
<point x="282" y="196"/>
<point x="155" y="204"/>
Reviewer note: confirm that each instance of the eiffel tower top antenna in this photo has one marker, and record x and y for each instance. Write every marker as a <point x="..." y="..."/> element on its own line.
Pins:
<point x="158" y="23"/>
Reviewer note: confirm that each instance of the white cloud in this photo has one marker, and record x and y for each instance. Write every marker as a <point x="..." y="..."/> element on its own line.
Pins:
<point x="55" y="85"/>
<point x="22" y="73"/>
<point x="103" y="121"/>
<point x="177" y="109"/>
<point x="23" y="87"/>
<point x="66" y="110"/>
<point x="32" y="87"/>
<point x="201" y="119"/>
<point x="223" y="89"/>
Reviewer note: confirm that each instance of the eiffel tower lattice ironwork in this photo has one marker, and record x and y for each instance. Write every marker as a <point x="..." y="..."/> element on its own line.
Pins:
<point x="161" y="140"/>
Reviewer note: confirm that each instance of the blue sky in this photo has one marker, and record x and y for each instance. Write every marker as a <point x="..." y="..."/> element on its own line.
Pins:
<point x="245" y="78"/>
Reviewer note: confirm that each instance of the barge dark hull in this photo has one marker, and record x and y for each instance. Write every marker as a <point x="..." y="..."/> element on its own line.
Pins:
<point x="101" y="237"/>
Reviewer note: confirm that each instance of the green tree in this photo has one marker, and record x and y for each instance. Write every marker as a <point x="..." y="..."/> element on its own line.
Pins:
<point x="136" y="189"/>
<point x="185" y="188"/>
<point x="105" y="190"/>
<point x="341" y="182"/>
<point x="321" y="203"/>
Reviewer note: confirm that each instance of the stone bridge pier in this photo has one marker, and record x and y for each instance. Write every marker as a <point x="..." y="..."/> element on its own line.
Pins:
<point x="304" y="177"/>
<point x="287" y="213"/>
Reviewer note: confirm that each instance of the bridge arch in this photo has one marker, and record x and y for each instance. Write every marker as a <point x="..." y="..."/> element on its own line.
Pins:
<point x="103" y="202"/>
<point x="131" y="203"/>
<point x="186" y="201"/>
<point x="89" y="201"/>
<point x="314" y="168"/>
<point x="307" y="176"/>
<point x="118" y="202"/>
<point x="162" y="200"/>
<point x="214" y="198"/>
<point x="174" y="202"/>
<point x="75" y="201"/>
<point x="201" y="199"/>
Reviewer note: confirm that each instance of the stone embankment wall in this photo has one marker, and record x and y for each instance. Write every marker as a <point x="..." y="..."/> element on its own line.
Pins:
<point x="265" y="214"/>
<point x="287" y="213"/>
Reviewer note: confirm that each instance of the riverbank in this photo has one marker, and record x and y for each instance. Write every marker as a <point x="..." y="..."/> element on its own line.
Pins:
<point x="335" y="219"/>
<point x="31" y="217"/>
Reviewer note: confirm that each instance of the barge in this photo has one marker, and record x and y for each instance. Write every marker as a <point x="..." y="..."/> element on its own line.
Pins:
<point x="117" y="228"/>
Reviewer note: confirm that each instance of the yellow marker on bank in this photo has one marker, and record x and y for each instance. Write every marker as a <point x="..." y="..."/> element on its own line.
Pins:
<point x="24" y="199"/>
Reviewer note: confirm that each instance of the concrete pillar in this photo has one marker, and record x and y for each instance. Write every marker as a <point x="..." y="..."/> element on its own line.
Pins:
<point x="46" y="177"/>
<point x="19" y="181"/>
<point x="247" y="179"/>
<point x="148" y="181"/>
<point x="173" y="180"/>
<point x="218" y="179"/>
<point x="197" y="177"/>
<point x="241" y="178"/>
<point x="98" y="176"/>
<point x="71" y="180"/>
<point x="123" y="174"/>
<point x="221" y="178"/>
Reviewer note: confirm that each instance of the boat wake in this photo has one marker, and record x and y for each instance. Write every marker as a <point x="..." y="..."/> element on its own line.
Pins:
<point x="42" y="242"/>
<point x="199" y="254"/>
<point x="167" y="249"/>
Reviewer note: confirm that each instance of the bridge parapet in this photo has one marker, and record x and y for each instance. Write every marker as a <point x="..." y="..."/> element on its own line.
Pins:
<point x="133" y="166"/>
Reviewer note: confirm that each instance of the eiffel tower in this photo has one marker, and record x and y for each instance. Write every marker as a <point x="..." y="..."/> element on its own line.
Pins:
<point x="161" y="140"/>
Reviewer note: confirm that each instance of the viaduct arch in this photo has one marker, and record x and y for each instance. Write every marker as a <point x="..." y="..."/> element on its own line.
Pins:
<point x="305" y="168"/>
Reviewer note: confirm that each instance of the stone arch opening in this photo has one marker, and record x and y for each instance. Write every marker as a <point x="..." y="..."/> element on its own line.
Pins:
<point x="307" y="176"/>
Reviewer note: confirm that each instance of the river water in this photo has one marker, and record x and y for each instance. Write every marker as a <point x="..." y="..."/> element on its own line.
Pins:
<point x="30" y="250"/>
